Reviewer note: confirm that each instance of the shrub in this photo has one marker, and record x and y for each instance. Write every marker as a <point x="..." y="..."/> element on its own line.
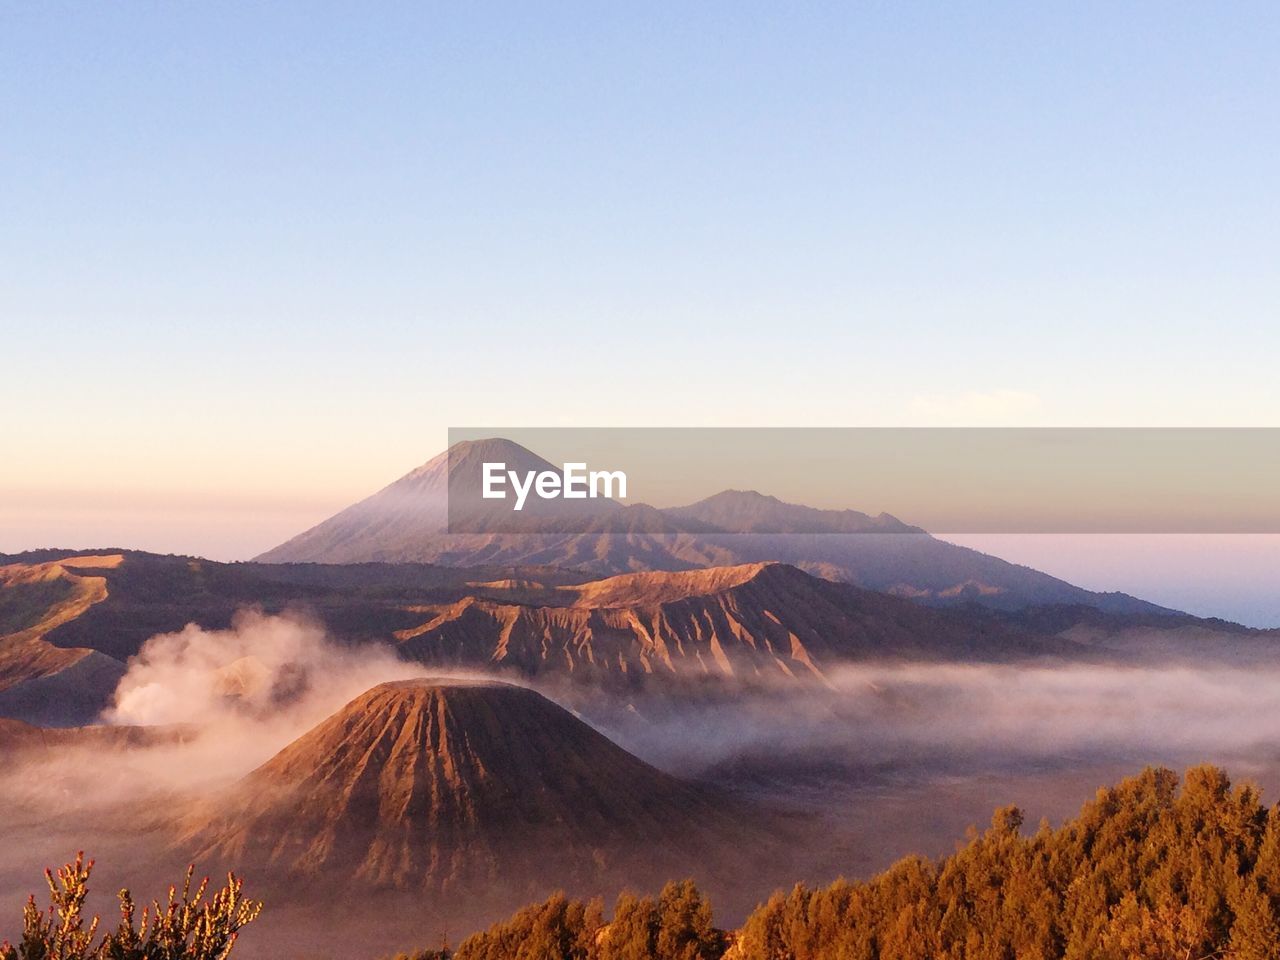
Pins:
<point x="185" y="927"/>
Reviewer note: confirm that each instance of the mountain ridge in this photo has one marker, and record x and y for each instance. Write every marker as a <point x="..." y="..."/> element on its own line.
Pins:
<point x="760" y="622"/>
<point x="408" y="521"/>
<point x="750" y="511"/>
<point x="39" y="679"/>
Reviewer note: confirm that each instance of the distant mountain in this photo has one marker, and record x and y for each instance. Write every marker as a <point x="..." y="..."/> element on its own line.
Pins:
<point x="746" y="511"/>
<point x="414" y="505"/>
<point x="449" y="786"/>
<point x="407" y="522"/>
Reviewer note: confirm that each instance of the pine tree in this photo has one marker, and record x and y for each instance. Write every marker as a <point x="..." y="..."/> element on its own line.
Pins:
<point x="1255" y="934"/>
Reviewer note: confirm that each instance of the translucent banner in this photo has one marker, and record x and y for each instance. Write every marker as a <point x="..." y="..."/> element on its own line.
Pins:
<point x="863" y="480"/>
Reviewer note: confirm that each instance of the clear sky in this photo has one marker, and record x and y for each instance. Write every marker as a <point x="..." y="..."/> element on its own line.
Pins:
<point x="255" y="258"/>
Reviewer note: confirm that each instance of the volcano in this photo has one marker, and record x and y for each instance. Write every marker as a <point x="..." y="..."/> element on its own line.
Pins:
<point x="448" y="786"/>
<point x="408" y="522"/>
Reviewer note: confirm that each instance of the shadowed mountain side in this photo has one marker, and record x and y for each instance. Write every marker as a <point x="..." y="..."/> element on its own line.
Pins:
<point x="924" y="569"/>
<point x="71" y="696"/>
<point x="407" y="522"/>
<point x="39" y="680"/>
<point x="751" y="622"/>
<point x="747" y="511"/>
<point x="450" y="786"/>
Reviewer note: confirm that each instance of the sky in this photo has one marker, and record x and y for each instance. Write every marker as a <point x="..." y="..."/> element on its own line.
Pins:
<point x="256" y="259"/>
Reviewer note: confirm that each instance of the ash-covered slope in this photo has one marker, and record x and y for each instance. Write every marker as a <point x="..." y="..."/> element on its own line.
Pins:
<point x="749" y="622"/>
<point x="381" y="526"/>
<point x="408" y="522"/>
<point x="448" y="785"/>
<point x="39" y="680"/>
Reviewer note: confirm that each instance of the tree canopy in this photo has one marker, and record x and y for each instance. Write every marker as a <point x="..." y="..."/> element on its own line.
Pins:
<point x="1151" y="869"/>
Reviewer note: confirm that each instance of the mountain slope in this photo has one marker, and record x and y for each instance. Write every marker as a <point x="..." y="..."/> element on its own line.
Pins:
<point x="750" y="622"/>
<point x="747" y="511"/>
<point x="414" y="506"/>
<point x="448" y="785"/>
<point x="407" y="522"/>
<point x="41" y="681"/>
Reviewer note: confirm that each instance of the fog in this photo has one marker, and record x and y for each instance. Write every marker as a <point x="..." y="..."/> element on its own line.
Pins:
<point x="973" y="717"/>
<point x="215" y="704"/>
<point x="1055" y="709"/>
<point x="247" y="691"/>
<point x="888" y="758"/>
<point x="221" y="702"/>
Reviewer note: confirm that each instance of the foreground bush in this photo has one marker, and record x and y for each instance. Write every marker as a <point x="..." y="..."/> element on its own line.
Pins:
<point x="186" y="927"/>
<point x="1147" y="871"/>
<point x="1150" y="870"/>
<point x="676" y="926"/>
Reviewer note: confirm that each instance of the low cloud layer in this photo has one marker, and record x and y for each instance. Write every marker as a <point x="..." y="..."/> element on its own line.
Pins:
<point x="982" y="717"/>
<point x="243" y="693"/>
<point x="219" y="703"/>
<point x="1053" y="709"/>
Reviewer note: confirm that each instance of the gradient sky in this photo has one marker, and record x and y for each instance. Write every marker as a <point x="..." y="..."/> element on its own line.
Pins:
<point x="256" y="258"/>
